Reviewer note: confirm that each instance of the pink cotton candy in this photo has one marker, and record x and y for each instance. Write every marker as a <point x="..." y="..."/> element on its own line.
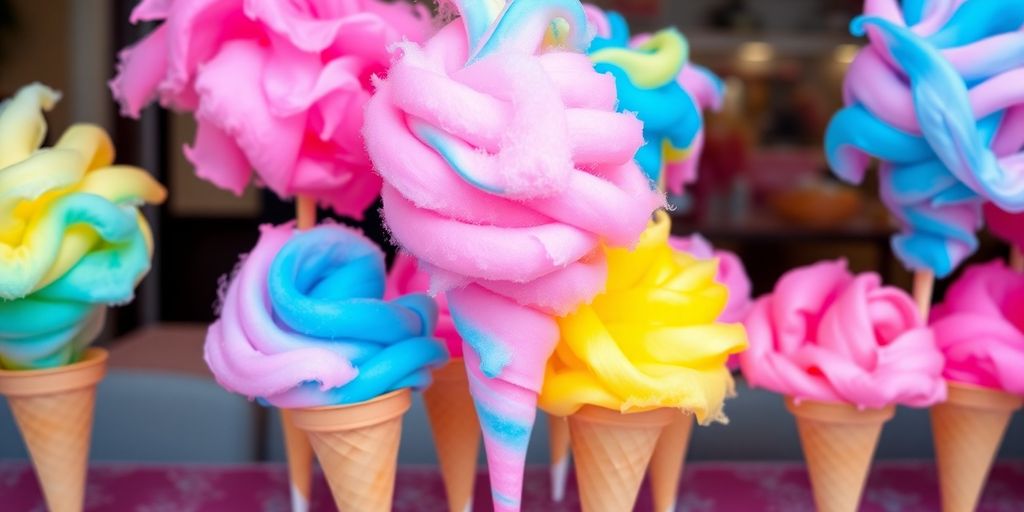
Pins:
<point x="1005" y="225"/>
<point x="277" y="88"/>
<point x="406" y="277"/>
<point x="539" y="225"/>
<point x="506" y="170"/>
<point x="980" y="328"/>
<point x="827" y="335"/>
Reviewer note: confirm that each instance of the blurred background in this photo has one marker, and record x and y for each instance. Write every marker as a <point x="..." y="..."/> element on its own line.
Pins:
<point x="764" y="192"/>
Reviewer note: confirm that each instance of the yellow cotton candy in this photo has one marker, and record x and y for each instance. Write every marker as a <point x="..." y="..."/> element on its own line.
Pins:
<point x="652" y="64"/>
<point x="674" y="154"/>
<point x="651" y="340"/>
<point x="22" y="125"/>
<point x="39" y="243"/>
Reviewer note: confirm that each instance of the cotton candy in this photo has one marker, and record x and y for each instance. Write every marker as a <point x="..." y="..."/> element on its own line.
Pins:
<point x="935" y="96"/>
<point x="731" y="273"/>
<point x="506" y="168"/>
<point x="980" y="328"/>
<point x="655" y="79"/>
<point x="277" y="88"/>
<point x="825" y="334"/>
<point x="404" y="278"/>
<point x="651" y="340"/>
<point x="303" y="323"/>
<point x="1005" y="225"/>
<point x="72" y="240"/>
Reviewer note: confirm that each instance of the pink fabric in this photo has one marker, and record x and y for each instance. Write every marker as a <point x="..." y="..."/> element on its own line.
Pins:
<point x="980" y="328"/>
<point x="825" y="334"/>
<point x="404" y="278"/>
<point x="902" y="486"/>
<point x="277" y="88"/>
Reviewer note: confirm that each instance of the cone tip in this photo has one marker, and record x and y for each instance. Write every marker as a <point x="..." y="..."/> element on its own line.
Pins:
<point x="559" y="477"/>
<point x="300" y="503"/>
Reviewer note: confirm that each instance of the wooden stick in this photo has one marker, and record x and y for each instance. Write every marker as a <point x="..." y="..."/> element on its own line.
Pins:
<point x="1017" y="259"/>
<point x="924" y="283"/>
<point x="305" y="212"/>
<point x="298" y="451"/>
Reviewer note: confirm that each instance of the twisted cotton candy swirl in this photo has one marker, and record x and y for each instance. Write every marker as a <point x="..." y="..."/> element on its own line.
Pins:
<point x="651" y="340"/>
<point x="276" y="87"/>
<point x="980" y="328"/>
<point x="302" y="323"/>
<point x="505" y="168"/>
<point x="71" y="237"/>
<point x="936" y="98"/>
<point x="731" y="273"/>
<point x="404" y="278"/>
<point x="827" y="335"/>
<point x="655" y="79"/>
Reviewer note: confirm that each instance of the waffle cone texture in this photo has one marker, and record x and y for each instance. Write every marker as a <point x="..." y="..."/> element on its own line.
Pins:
<point x="300" y="463"/>
<point x="54" y="412"/>
<point x="357" y="446"/>
<point x="456" y="431"/>
<point x="968" y="429"/>
<point x="839" y="443"/>
<point x="668" y="460"/>
<point x="611" y="452"/>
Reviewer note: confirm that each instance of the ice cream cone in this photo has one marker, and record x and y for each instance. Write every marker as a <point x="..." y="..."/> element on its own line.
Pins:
<point x="54" y="412"/>
<point x="968" y="430"/>
<point x="612" y="451"/>
<point x="839" y="442"/>
<point x="667" y="462"/>
<point x="300" y="463"/>
<point x="558" y="436"/>
<point x="456" y="432"/>
<point x="357" y="446"/>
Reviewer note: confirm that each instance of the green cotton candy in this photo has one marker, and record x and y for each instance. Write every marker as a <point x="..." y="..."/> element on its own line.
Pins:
<point x="72" y="240"/>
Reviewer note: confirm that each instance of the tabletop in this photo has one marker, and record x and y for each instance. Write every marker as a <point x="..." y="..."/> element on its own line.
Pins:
<point x="122" y="487"/>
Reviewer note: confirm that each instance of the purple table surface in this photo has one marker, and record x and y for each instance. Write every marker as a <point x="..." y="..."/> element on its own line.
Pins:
<point x="893" y="487"/>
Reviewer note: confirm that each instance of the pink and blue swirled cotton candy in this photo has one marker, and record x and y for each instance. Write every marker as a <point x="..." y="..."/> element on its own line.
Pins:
<point x="507" y="168"/>
<point x="936" y="97"/>
<point x="303" y="323"/>
<point x="655" y="79"/>
<point x="72" y="239"/>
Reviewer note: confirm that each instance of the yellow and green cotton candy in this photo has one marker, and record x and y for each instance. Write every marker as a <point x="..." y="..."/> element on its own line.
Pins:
<point x="651" y="340"/>
<point x="72" y="239"/>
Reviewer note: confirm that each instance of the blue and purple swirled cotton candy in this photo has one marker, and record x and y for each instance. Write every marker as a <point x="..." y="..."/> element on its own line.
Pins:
<point x="303" y="323"/>
<point x="936" y="96"/>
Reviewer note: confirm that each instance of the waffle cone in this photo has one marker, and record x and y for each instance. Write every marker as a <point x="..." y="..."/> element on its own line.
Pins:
<point x="456" y="432"/>
<point x="667" y="462"/>
<point x="839" y="442"/>
<point x="968" y="430"/>
<point x="357" y="446"/>
<point x="54" y="412"/>
<point x="612" y="451"/>
<point x="558" y="437"/>
<point x="300" y="463"/>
